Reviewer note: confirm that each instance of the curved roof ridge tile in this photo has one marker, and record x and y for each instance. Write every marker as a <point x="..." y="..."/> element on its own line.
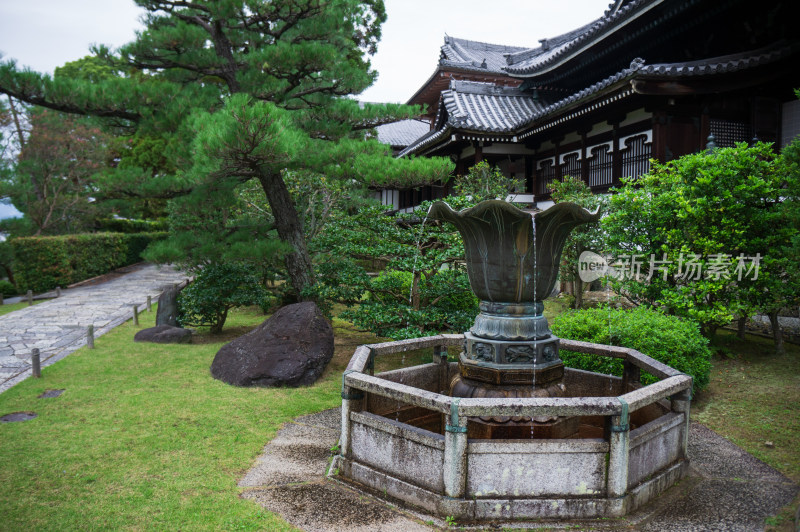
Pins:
<point x="605" y="22"/>
<point x="424" y="140"/>
<point x="721" y="64"/>
<point x="550" y="42"/>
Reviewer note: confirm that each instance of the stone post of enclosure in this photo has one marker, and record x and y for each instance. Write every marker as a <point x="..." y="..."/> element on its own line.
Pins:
<point x="681" y="402"/>
<point x="440" y="357"/>
<point x="58" y="291"/>
<point x="29" y="297"/>
<point x="36" y="364"/>
<point x="352" y="399"/>
<point x="149" y="303"/>
<point x="455" y="453"/>
<point x="631" y="377"/>
<point x="136" y="315"/>
<point x="90" y="336"/>
<point x="619" y="451"/>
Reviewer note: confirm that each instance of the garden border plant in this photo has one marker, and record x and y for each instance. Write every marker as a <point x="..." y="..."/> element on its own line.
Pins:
<point x="672" y="340"/>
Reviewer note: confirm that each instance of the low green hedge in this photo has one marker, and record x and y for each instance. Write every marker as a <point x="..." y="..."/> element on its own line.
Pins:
<point x="7" y="289"/>
<point x="42" y="263"/>
<point x="674" y="341"/>
<point x="125" y="225"/>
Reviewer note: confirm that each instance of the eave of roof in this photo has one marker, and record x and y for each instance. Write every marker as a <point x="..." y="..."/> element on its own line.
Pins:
<point x="594" y="33"/>
<point x="401" y="133"/>
<point x="719" y="65"/>
<point x="610" y="88"/>
<point x="438" y="78"/>
<point x="476" y="56"/>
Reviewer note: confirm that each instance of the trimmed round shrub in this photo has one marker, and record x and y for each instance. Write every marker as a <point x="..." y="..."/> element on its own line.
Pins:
<point x="7" y="289"/>
<point x="675" y="341"/>
<point x="217" y="289"/>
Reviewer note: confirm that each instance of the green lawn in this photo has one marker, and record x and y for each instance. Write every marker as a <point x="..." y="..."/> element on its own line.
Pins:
<point x="753" y="400"/>
<point x="5" y="309"/>
<point x="144" y="438"/>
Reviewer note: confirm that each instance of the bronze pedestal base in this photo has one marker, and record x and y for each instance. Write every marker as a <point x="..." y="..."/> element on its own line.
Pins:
<point x="548" y="384"/>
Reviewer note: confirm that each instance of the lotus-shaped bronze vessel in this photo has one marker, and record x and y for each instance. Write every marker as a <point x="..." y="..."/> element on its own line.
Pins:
<point x="512" y="266"/>
<point x="512" y="261"/>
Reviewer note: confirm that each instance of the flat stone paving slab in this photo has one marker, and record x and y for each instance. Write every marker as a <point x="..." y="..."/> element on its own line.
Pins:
<point x="58" y="327"/>
<point x="735" y="492"/>
<point x="727" y="489"/>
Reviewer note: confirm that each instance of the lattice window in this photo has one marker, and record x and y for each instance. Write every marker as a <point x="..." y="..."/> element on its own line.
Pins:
<point x="728" y="132"/>
<point x="601" y="169"/>
<point x="790" y="122"/>
<point x="545" y="176"/>
<point x="571" y="165"/>
<point x="636" y="156"/>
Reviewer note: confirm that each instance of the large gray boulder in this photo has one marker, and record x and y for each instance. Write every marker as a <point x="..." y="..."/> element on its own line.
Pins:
<point x="167" y="312"/>
<point x="164" y="334"/>
<point x="291" y="348"/>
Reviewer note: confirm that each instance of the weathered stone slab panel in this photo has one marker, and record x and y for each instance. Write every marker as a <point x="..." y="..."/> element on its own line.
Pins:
<point x="654" y="446"/>
<point x="535" y="474"/>
<point x="415" y="456"/>
<point x="508" y="510"/>
<point x="424" y="377"/>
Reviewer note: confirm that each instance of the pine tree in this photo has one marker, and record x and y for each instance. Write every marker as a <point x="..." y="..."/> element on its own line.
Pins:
<point x="241" y="90"/>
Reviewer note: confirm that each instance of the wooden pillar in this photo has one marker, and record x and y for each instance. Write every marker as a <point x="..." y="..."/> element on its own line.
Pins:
<point x="529" y="171"/>
<point x="584" y="159"/>
<point x="660" y="136"/>
<point x="616" y="156"/>
<point x="557" y="170"/>
<point x="478" y="152"/>
<point x="705" y="127"/>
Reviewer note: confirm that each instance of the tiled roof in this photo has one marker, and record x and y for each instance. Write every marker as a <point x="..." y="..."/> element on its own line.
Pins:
<point x="402" y="133"/>
<point x="530" y="62"/>
<point x="718" y="65"/>
<point x="550" y="47"/>
<point x="430" y="138"/>
<point x="477" y="106"/>
<point x="474" y="55"/>
<point x="485" y="107"/>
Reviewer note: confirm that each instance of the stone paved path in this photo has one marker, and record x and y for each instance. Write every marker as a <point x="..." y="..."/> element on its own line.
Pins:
<point x="58" y="327"/>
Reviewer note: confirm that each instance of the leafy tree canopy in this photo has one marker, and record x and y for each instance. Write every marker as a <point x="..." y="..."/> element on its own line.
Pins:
<point x="277" y="71"/>
<point x="712" y="214"/>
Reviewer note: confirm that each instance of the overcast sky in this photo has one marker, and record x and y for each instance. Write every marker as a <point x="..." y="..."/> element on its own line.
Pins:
<point x="44" y="34"/>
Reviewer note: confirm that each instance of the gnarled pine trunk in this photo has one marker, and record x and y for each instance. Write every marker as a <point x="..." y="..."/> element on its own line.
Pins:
<point x="290" y="230"/>
<point x="777" y="333"/>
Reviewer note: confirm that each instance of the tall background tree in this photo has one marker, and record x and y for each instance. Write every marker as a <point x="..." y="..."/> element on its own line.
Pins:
<point x="51" y="181"/>
<point x="715" y="215"/>
<point x="587" y="237"/>
<point x="290" y="64"/>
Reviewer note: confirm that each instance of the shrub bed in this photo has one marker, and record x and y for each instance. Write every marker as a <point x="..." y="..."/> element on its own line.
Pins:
<point x="42" y="263"/>
<point x="674" y="341"/>
<point x="7" y="289"/>
<point x="125" y="225"/>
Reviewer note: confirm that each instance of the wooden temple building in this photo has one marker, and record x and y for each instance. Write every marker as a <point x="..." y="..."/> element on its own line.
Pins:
<point x="648" y="79"/>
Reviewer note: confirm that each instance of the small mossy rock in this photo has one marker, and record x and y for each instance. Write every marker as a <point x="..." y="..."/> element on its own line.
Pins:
<point x="291" y="348"/>
<point x="164" y="334"/>
<point x="167" y="313"/>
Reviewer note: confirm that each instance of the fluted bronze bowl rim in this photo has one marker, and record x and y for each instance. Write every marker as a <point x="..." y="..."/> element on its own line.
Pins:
<point x="504" y="232"/>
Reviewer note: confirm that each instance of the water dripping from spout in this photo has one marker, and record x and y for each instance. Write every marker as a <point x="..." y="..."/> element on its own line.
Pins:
<point x="535" y="277"/>
<point x="417" y="252"/>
